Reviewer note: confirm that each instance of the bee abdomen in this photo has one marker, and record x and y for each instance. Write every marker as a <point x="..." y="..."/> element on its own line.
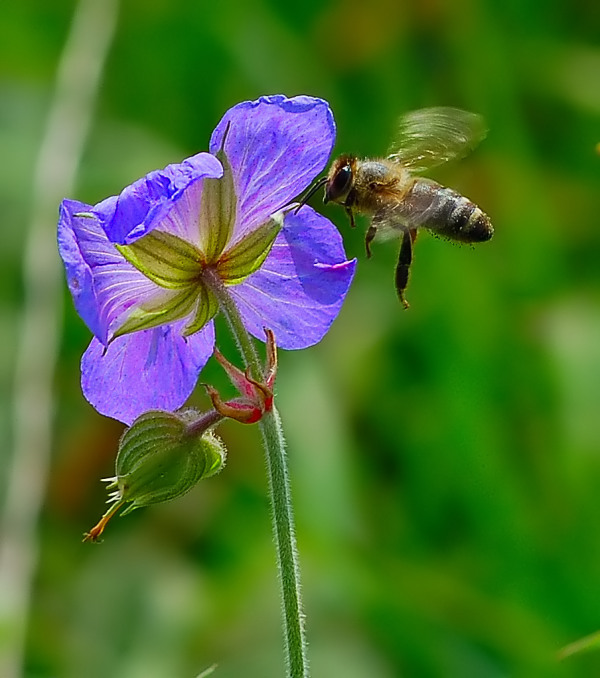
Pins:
<point x="454" y="216"/>
<point x="468" y="222"/>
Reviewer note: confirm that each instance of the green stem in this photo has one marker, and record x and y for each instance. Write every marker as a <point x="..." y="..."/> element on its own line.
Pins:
<point x="285" y="540"/>
<point x="279" y="490"/>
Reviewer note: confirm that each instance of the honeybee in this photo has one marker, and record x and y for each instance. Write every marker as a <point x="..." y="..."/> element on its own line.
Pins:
<point x="397" y="201"/>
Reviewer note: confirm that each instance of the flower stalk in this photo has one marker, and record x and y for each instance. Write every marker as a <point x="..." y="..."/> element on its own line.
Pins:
<point x="149" y="269"/>
<point x="279" y="492"/>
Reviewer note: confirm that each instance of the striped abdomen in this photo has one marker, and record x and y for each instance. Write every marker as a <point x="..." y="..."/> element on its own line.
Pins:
<point x="448" y="213"/>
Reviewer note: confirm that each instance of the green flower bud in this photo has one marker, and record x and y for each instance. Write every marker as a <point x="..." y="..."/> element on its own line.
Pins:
<point x="160" y="458"/>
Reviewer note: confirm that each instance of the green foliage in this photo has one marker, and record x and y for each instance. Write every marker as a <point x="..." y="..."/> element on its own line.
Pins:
<point x="444" y="459"/>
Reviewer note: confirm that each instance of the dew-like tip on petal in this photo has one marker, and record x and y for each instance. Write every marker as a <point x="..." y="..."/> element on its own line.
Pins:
<point x="141" y="206"/>
<point x="152" y="369"/>
<point x="79" y="273"/>
<point x="276" y="146"/>
<point x="300" y="289"/>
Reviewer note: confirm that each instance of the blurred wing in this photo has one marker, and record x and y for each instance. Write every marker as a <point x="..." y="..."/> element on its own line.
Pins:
<point x="431" y="136"/>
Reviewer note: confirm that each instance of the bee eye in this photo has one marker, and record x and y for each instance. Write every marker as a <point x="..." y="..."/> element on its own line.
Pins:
<point x="342" y="179"/>
<point x="340" y="183"/>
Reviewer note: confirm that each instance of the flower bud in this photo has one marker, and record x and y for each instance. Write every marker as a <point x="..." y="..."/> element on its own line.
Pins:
<point x="160" y="459"/>
<point x="256" y="395"/>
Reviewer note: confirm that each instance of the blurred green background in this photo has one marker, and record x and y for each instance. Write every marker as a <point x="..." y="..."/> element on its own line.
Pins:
<point x="445" y="460"/>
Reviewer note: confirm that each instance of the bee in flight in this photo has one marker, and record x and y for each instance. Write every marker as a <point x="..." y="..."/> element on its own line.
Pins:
<point x="397" y="201"/>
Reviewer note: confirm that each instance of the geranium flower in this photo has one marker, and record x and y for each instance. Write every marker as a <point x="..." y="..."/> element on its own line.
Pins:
<point x="136" y="263"/>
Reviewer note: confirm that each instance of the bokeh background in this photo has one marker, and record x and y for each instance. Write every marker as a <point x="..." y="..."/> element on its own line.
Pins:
<point x="445" y="460"/>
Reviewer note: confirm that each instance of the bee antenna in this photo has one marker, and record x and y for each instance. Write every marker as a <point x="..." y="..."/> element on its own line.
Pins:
<point x="310" y="192"/>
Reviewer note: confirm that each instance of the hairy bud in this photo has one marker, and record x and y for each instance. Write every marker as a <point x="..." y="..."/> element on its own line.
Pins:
<point x="160" y="458"/>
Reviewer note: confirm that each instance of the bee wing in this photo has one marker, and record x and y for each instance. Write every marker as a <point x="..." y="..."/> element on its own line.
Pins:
<point x="431" y="136"/>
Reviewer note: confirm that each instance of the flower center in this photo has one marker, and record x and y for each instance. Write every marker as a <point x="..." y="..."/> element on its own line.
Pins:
<point x="177" y="266"/>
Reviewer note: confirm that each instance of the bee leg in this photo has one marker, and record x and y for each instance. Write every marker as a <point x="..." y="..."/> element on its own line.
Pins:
<point x="403" y="267"/>
<point x="350" y="214"/>
<point x="370" y="234"/>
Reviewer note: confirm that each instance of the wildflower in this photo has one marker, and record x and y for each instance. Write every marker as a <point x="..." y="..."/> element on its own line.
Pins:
<point x="139" y="264"/>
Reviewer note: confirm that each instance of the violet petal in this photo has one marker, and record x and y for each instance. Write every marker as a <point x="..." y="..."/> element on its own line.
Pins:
<point x="276" y="146"/>
<point x="104" y="285"/>
<point x="141" y="206"/>
<point x="300" y="288"/>
<point x="152" y="369"/>
<point x="78" y="271"/>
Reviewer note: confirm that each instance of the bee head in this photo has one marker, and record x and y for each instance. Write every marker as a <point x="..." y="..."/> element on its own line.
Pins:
<point x="339" y="179"/>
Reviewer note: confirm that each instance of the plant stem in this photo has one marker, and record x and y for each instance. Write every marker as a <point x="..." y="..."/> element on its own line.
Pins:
<point x="203" y="422"/>
<point x="279" y="490"/>
<point x="285" y="540"/>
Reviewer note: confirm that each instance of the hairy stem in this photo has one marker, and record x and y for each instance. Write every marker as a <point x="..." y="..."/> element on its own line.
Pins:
<point x="203" y="422"/>
<point x="279" y="490"/>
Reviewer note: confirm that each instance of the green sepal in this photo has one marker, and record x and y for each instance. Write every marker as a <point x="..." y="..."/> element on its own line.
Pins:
<point x="248" y="255"/>
<point x="160" y="311"/>
<point x="206" y="309"/>
<point x="166" y="259"/>
<point x="218" y="211"/>
<point x="159" y="460"/>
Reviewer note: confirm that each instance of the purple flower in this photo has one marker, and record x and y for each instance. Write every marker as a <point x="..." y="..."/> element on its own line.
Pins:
<point x="137" y="263"/>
